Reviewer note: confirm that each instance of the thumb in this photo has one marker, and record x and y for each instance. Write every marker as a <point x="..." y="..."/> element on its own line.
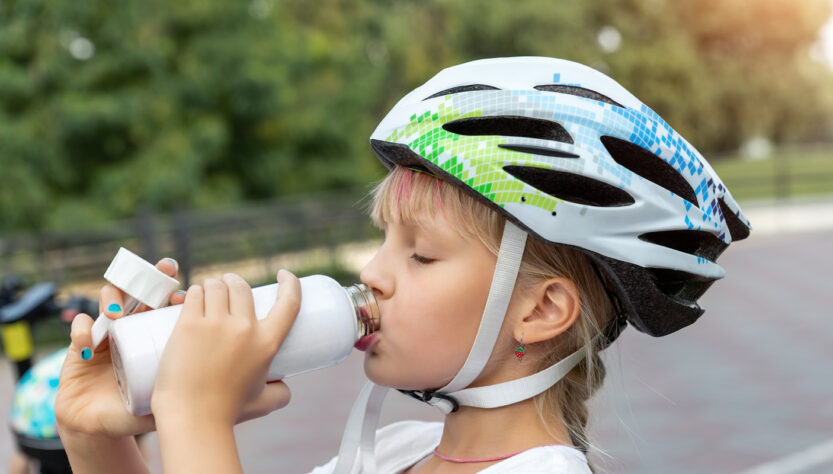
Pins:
<point x="274" y="396"/>
<point x="81" y="335"/>
<point x="282" y="315"/>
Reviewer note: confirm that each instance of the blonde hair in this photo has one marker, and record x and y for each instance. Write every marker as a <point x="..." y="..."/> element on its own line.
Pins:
<point x="411" y="197"/>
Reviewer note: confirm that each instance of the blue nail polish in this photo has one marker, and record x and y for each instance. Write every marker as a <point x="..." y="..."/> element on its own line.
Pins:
<point x="181" y="292"/>
<point x="86" y="354"/>
<point x="114" y="308"/>
<point x="176" y="265"/>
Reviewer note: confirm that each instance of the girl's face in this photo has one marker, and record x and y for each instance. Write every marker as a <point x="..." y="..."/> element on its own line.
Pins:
<point x="431" y="285"/>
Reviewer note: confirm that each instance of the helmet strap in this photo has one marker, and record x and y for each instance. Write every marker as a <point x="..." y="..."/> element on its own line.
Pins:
<point x="357" y="444"/>
<point x="509" y="258"/>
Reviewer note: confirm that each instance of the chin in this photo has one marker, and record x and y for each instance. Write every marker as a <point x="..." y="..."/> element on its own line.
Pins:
<point x="377" y="373"/>
<point x="399" y="378"/>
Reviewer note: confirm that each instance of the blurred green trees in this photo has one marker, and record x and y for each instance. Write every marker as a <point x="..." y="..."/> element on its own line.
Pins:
<point x="110" y="107"/>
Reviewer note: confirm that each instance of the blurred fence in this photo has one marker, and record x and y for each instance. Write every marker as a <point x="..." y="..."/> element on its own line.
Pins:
<point x="325" y="220"/>
<point x="196" y="239"/>
<point x="797" y="170"/>
<point x="784" y="183"/>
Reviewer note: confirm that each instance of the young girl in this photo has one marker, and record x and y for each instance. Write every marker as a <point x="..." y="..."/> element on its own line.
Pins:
<point x="533" y="209"/>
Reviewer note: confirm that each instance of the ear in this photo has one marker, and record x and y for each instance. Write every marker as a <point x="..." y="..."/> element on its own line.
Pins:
<point x="556" y="305"/>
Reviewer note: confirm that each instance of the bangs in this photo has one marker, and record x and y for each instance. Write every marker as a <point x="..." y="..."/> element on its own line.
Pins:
<point x="411" y="197"/>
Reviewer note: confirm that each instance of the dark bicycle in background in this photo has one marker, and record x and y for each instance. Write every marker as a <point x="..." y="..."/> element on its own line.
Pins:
<point x="32" y="419"/>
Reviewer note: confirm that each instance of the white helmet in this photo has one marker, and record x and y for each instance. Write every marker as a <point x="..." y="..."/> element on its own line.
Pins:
<point x="569" y="157"/>
<point x="573" y="158"/>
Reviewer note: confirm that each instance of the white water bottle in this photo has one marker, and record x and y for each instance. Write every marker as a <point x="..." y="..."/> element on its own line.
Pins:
<point x="331" y="321"/>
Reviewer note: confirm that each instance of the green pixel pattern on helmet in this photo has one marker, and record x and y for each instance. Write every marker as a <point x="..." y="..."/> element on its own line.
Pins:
<point x="477" y="161"/>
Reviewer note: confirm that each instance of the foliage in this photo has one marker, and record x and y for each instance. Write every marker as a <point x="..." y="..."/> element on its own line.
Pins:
<point x="107" y="108"/>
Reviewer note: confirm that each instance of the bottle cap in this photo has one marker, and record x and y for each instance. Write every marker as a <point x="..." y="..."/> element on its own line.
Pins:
<point x="139" y="279"/>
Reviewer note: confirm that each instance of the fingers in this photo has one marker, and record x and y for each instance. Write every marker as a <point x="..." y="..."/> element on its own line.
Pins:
<point x="241" y="303"/>
<point x="169" y="267"/>
<point x="111" y="301"/>
<point x="178" y="297"/>
<point x="274" y="396"/>
<point x="194" y="306"/>
<point x="283" y="313"/>
<point x="81" y="336"/>
<point x="277" y="395"/>
<point x="219" y="298"/>
<point x="216" y="299"/>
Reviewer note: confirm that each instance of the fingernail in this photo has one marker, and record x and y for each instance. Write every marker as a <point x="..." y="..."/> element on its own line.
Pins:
<point x="180" y="292"/>
<point x="86" y="354"/>
<point x="176" y="265"/>
<point x="114" y="308"/>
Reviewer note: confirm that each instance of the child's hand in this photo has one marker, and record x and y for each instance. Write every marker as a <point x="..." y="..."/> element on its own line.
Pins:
<point x="88" y="399"/>
<point x="216" y="362"/>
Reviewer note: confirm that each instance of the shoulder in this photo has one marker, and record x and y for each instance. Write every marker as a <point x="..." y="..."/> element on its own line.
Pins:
<point x="399" y="445"/>
<point x="546" y="459"/>
<point x="406" y="441"/>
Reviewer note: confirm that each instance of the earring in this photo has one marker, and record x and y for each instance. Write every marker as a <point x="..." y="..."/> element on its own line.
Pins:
<point x="519" y="351"/>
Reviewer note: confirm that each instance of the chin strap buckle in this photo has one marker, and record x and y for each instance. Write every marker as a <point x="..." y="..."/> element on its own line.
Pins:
<point x="427" y="396"/>
<point x="612" y="331"/>
<point x="618" y="324"/>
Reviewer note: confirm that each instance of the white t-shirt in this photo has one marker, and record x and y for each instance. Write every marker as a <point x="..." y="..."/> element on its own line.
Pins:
<point x="401" y="445"/>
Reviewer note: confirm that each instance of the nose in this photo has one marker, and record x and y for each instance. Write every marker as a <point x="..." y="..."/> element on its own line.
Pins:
<point x="377" y="276"/>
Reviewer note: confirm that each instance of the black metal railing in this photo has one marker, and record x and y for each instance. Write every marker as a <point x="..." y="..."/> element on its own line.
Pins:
<point x="195" y="238"/>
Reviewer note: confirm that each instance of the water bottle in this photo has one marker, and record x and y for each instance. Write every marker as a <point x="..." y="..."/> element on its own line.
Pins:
<point x="332" y="320"/>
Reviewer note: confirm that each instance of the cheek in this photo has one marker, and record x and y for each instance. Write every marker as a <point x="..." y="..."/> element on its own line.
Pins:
<point x="444" y="310"/>
<point x="427" y="336"/>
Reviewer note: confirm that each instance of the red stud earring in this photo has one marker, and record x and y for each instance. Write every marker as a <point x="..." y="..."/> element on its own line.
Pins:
<point x="519" y="351"/>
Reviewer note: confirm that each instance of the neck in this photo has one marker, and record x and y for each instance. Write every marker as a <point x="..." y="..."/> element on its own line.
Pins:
<point x="481" y="433"/>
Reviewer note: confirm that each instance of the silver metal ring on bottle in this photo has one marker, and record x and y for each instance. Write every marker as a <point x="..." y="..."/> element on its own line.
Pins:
<point x="367" y="311"/>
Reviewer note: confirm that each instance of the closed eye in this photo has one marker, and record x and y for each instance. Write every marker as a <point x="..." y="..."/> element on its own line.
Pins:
<point x="421" y="259"/>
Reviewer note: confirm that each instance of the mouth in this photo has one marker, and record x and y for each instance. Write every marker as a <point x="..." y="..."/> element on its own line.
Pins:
<point x="365" y="342"/>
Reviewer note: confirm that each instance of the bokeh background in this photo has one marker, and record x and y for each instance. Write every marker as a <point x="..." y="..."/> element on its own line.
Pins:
<point x="233" y="136"/>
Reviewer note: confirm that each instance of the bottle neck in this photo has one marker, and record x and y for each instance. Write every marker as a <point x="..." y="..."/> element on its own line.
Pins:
<point x="365" y="307"/>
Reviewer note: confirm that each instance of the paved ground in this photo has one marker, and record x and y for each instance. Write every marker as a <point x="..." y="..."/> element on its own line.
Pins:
<point x="749" y="384"/>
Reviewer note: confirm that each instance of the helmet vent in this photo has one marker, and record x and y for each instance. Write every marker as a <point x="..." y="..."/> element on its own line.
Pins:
<point x="694" y="242"/>
<point x="579" y="91"/>
<point x="535" y="150"/>
<point x="571" y="187"/>
<point x="678" y="284"/>
<point x="649" y="166"/>
<point x="737" y="228"/>
<point x="510" y="125"/>
<point x="458" y="89"/>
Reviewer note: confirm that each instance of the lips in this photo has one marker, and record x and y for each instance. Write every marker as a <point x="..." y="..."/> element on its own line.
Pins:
<point x="364" y="343"/>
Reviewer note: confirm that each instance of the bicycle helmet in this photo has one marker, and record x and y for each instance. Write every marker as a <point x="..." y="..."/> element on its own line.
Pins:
<point x="32" y="416"/>
<point x="569" y="157"/>
<point x="572" y="158"/>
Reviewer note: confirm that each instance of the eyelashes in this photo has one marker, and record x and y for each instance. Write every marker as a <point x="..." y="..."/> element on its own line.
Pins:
<point x="421" y="259"/>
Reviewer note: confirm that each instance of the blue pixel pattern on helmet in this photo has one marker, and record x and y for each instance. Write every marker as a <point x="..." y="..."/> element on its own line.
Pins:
<point x="649" y="130"/>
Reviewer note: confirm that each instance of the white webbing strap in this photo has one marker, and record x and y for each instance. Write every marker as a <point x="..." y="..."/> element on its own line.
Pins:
<point x="503" y="283"/>
<point x="356" y="453"/>
<point x="514" y="391"/>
